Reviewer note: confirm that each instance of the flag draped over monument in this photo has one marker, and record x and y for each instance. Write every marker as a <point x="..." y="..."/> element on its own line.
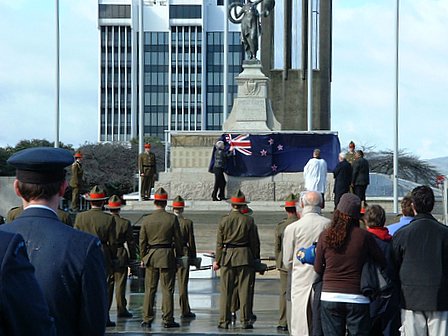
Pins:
<point x="266" y="155"/>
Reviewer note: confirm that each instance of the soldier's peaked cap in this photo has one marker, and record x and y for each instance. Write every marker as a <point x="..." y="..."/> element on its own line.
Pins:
<point x="178" y="202"/>
<point x="239" y="198"/>
<point x="41" y="165"/>
<point x="160" y="195"/>
<point x="290" y="201"/>
<point x="96" y="194"/>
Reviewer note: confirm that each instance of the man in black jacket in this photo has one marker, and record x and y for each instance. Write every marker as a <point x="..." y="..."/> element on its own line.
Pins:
<point x="342" y="178"/>
<point x="360" y="176"/>
<point x="420" y="252"/>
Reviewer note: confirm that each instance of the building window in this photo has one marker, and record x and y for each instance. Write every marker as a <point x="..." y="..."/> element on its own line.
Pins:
<point x="114" y="11"/>
<point x="185" y="12"/>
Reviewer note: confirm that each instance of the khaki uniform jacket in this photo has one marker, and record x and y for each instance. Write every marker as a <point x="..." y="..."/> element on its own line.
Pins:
<point x="160" y="228"/>
<point x="147" y="163"/>
<point x="102" y="225"/>
<point x="123" y="229"/>
<point x="77" y="175"/>
<point x="278" y="241"/>
<point x="236" y="229"/>
<point x="187" y="234"/>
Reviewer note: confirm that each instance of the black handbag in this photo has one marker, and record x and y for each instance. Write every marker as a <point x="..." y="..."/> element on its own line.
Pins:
<point x="375" y="283"/>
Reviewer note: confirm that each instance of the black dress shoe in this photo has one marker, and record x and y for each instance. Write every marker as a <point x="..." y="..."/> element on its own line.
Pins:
<point x="282" y="328"/>
<point x="125" y="314"/>
<point x="171" y="325"/>
<point x="223" y="326"/>
<point x="247" y="326"/>
<point x="110" y="323"/>
<point x="188" y="316"/>
<point x="146" y="325"/>
<point x="215" y="200"/>
<point x="253" y="318"/>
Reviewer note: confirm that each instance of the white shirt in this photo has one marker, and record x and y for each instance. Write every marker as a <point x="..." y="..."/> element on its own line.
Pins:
<point x="315" y="175"/>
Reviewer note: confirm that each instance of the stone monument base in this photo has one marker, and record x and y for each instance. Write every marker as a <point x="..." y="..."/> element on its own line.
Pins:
<point x="189" y="176"/>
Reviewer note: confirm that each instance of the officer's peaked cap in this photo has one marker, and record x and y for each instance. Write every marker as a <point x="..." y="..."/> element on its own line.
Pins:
<point x="41" y="165"/>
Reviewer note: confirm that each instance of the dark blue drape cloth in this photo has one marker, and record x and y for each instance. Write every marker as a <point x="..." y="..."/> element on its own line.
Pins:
<point x="265" y="155"/>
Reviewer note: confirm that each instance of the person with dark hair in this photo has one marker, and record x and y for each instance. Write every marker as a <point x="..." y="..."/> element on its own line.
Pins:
<point x="19" y="286"/>
<point x="341" y="252"/>
<point x="342" y="178"/>
<point x="360" y="177"/>
<point x="291" y="213"/>
<point x="102" y="225"/>
<point x="303" y="233"/>
<point x="236" y="248"/>
<point x="189" y="250"/>
<point x="384" y="311"/>
<point x="68" y="264"/>
<point x="407" y="215"/>
<point x="160" y="245"/>
<point x="420" y="252"/>
<point x="122" y="256"/>
<point x="219" y="166"/>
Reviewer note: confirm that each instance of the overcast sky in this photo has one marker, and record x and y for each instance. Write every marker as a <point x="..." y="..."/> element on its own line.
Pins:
<point x="362" y="88"/>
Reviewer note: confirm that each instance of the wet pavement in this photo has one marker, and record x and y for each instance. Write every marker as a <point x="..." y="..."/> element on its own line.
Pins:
<point x="204" y="302"/>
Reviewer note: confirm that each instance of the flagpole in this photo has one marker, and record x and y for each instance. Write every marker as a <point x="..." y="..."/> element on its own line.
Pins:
<point x="395" y="171"/>
<point x="310" y="68"/>
<point x="56" y="141"/>
<point x="141" y="65"/>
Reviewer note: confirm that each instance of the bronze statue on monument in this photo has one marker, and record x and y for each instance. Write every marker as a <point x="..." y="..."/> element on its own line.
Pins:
<point x="248" y="16"/>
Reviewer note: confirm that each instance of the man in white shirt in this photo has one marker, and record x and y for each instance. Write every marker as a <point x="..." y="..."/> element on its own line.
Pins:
<point x="315" y="175"/>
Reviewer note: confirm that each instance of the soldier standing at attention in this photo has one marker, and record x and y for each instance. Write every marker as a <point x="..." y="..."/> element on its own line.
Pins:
<point x="147" y="168"/>
<point x="291" y="212"/>
<point x="68" y="264"/>
<point x="76" y="180"/>
<point x="189" y="250"/>
<point x="95" y="221"/>
<point x="160" y="244"/>
<point x="123" y="230"/>
<point x="350" y="155"/>
<point x="235" y="251"/>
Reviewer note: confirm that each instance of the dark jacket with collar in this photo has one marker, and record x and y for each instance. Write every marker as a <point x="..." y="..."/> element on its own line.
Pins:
<point x="421" y="256"/>
<point x="69" y="269"/>
<point x="342" y="177"/>
<point x="360" y="172"/>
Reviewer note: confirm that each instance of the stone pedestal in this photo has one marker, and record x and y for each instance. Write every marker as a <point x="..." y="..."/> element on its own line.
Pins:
<point x="252" y="110"/>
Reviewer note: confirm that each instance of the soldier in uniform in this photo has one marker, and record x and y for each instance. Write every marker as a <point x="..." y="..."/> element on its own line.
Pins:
<point x="95" y="221"/>
<point x="189" y="250"/>
<point x="68" y="264"/>
<point x="160" y="244"/>
<point x="123" y="230"/>
<point x="147" y="168"/>
<point x="15" y="212"/>
<point x="236" y="247"/>
<point x="76" y="180"/>
<point x="291" y="212"/>
<point x="350" y="155"/>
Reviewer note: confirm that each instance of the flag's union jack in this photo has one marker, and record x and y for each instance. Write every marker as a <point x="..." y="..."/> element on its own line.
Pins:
<point x="239" y="143"/>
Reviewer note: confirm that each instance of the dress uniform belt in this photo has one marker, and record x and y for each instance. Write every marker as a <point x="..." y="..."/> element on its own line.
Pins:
<point x="231" y="245"/>
<point x="158" y="246"/>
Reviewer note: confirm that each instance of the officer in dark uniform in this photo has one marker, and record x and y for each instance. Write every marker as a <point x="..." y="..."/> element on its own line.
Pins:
<point x="19" y="285"/>
<point x="147" y="168"/>
<point x="291" y="211"/>
<point x="189" y="250"/>
<point x="76" y="180"/>
<point x="219" y="165"/>
<point x="236" y="247"/>
<point x="15" y="212"/>
<point x="160" y="244"/>
<point x="124" y="235"/>
<point x="68" y="264"/>
<point x="102" y="225"/>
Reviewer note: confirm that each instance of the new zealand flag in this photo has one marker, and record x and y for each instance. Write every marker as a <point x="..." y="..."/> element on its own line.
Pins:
<point x="266" y="155"/>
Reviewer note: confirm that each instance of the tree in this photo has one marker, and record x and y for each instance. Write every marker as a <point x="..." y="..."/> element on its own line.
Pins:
<point x="410" y="167"/>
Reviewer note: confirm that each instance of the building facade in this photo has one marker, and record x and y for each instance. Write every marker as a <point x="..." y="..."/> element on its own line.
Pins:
<point x="186" y="85"/>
